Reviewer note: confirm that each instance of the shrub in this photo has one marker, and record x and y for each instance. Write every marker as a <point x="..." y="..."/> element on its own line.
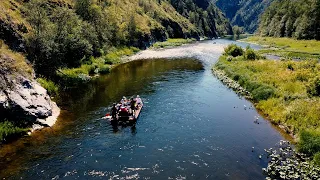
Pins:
<point x="233" y="50"/>
<point x="263" y="92"/>
<point x="105" y="69"/>
<point x="314" y="87"/>
<point x="316" y="159"/>
<point x="309" y="143"/>
<point x="250" y="54"/>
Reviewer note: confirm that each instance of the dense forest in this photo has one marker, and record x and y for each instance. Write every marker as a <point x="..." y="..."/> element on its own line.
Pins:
<point x="244" y="13"/>
<point x="66" y="33"/>
<point x="298" y="19"/>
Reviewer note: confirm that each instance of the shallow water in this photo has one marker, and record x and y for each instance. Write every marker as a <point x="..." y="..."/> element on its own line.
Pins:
<point x="191" y="127"/>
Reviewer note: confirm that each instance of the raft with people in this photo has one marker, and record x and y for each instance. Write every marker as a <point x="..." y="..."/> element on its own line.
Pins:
<point x="126" y="111"/>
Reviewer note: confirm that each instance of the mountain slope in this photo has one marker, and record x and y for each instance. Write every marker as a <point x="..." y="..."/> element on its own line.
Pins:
<point x="204" y="15"/>
<point x="244" y="13"/>
<point x="299" y="19"/>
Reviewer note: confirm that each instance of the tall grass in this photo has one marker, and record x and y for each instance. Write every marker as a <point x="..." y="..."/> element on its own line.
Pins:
<point x="288" y="47"/>
<point x="50" y="86"/>
<point x="281" y="90"/>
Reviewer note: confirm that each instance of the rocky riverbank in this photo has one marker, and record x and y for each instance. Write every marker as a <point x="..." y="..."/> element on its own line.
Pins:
<point x="23" y="102"/>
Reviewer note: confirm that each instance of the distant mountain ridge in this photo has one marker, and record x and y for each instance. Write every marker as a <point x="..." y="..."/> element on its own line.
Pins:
<point x="243" y="13"/>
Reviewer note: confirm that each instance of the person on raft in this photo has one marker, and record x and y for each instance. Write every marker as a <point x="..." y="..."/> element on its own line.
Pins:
<point x="114" y="111"/>
<point x="132" y="106"/>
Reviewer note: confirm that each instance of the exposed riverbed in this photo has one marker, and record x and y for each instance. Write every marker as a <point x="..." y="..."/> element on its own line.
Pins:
<point x="191" y="127"/>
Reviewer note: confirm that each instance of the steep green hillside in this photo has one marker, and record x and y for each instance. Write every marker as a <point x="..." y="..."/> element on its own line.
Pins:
<point x="66" y="33"/>
<point x="207" y="17"/>
<point x="244" y="13"/>
<point x="285" y="18"/>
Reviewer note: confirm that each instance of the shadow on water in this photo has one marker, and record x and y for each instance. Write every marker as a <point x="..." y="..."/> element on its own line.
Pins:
<point x="79" y="105"/>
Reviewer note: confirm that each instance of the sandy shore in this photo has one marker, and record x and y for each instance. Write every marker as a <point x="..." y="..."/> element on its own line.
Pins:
<point x="195" y="50"/>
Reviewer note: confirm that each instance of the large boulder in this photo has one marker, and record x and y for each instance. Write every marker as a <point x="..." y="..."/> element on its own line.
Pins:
<point x="25" y="100"/>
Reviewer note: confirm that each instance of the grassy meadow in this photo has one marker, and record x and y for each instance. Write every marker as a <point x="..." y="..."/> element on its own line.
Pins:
<point x="287" y="92"/>
<point x="287" y="48"/>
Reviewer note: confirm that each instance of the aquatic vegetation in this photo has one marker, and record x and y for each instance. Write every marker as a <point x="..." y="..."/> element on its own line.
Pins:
<point x="286" y="163"/>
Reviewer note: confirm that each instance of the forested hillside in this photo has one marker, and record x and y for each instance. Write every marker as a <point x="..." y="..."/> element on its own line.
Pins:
<point x="208" y="19"/>
<point x="244" y="13"/>
<point x="286" y="18"/>
<point x="66" y="33"/>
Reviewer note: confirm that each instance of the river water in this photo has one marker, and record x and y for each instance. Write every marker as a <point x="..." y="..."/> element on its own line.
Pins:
<point x="191" y="127"/>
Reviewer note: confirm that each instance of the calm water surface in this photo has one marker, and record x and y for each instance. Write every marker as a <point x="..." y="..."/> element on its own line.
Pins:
<point x="191" y="127"/>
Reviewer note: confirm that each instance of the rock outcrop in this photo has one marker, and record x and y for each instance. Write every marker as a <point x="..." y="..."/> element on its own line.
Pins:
<point x="22" y="98"/>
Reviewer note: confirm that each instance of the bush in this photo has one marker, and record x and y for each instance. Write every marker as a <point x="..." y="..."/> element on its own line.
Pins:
<point x="250" y="54"/>
<point x="316" y="159"/>
<point x="233" y="50"/>
<point x="313" y="88"/>
<point x="105" y="69"/>
<point x="263" y="92"/>
<point x="309" y="143"/>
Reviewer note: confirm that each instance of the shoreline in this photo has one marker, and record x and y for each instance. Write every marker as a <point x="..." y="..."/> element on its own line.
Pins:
<point x="237" y="88"/>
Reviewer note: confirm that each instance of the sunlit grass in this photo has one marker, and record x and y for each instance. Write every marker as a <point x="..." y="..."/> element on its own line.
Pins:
<point x="292" y="105"/>
<point x="289" y="102"/>
<point x="14" y="61"/>
<point x="172" y="43"/>
<point x="99" y="65"/>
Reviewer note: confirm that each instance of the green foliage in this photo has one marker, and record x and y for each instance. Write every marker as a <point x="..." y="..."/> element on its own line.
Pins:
<point x="314" y="88"/>
<point x="50" y="86"/>
<point x="244" y="13"/>
<point x="238" y="31"/>
<point x="208" y="19"/>
<point x="263" y="92"/>
<point x="309" y="142"/>
<point x="285" y="18"/>
<point x="280" y="93"/>
<point x="172" y="43"/>
<point x="233" y="50"/>
<point x="58" y="38"/>
<point x="8" y="130"/>
<point x="316" y="159"/>
<point x="250" y="54"/>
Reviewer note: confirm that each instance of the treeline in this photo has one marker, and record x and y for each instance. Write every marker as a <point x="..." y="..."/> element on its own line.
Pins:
<point x="286" y="18"/>
<point x="69" y="33"/>
<point x="207" y="17"/>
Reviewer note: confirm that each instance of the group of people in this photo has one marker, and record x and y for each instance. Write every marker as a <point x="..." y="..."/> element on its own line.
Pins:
<point x="125" y="108"/>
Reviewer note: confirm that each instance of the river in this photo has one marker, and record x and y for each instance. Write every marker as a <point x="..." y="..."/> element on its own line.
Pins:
<point x="191" y="127"/>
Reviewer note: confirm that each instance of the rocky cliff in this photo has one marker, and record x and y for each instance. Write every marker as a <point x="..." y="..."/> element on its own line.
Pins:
<point x="22" y="99"/>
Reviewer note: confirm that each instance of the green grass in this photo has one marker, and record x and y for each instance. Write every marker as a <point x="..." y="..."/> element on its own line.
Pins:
<point x="172" y="43"/>
<point x="50" y="86"/>
<point x="8" y="130"/>
<point x="288" y="47"/>
<point x="280" y="89"/>
<point x="99" y="65"/>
